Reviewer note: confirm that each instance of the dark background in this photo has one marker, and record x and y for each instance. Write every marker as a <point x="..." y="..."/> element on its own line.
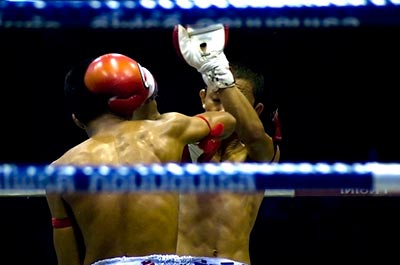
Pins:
<point x="336" y="90"/>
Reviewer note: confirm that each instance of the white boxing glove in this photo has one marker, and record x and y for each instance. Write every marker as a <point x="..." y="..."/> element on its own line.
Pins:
<point x="203" y="49"/>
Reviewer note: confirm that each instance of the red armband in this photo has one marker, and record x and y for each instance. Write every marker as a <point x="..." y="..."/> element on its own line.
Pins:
<point x="61" y="222"/>
<point x="211" y="143"/>
<point x="204" y="150"/>
<point x="215" y="131"/>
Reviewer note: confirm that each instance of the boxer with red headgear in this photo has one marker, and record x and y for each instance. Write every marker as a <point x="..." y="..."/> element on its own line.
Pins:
<point x="113" y="99"/>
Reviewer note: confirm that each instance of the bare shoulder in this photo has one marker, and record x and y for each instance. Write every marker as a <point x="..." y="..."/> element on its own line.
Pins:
<point x="173" y="115"/>
<point x="77" y="155"/>
<point x="175" y="118"/>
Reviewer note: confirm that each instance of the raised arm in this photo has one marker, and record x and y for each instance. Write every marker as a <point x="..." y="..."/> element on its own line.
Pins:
<point x="203" y="49"/>
<point x="200" y="135"/>
<point x="214" y="124"/>
<point x="249" y="127"/>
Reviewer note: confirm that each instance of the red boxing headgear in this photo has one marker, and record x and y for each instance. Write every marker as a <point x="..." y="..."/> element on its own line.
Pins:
<point x="122" y="78"/>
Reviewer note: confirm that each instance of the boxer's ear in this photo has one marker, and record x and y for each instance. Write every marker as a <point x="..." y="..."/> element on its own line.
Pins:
<point x="203" y="94"/>
<point x="78" y="122"/>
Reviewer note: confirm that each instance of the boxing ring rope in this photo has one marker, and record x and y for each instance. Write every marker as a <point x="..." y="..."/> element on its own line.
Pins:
<point x="207" y="177"/>
<point x="144" y="14"/>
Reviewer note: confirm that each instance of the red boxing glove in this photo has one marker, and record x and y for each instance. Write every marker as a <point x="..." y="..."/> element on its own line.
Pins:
<point x="128" y="83"/>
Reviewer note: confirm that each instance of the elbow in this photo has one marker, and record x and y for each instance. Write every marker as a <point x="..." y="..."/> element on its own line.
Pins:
<point x="256" y="133"/>
<point x="230" y="126"/>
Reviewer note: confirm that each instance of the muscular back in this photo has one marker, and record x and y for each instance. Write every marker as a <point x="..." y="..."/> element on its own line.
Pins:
<point x="128" y="142"/>
<point x="219" y="224"/>
<point x="118" y="224"/>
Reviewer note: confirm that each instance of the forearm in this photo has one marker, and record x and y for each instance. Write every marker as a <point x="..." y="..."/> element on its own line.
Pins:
<point x="248" y="124"/>
<point x="66" y="247"/>
<point x="216" y="117"/>
<point x="249" y="127"/>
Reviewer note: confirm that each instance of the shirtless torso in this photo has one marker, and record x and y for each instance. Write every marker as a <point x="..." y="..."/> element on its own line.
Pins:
<point x="130" y="224"/>
<point x="219" y="224"/>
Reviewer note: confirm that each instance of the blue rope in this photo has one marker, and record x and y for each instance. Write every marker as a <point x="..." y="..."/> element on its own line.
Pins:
<point x="239" y="177"/>
<point x="132" y="15"/>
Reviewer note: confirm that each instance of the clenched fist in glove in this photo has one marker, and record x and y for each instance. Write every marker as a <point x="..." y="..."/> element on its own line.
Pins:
<point x="203" y="49"/>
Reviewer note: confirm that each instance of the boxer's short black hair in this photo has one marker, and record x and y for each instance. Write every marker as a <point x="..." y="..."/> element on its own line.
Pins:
<point x="86" y="106"/>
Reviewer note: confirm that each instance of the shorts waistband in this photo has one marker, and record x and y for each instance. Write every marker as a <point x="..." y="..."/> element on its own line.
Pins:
<point x="167" y="260"/>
